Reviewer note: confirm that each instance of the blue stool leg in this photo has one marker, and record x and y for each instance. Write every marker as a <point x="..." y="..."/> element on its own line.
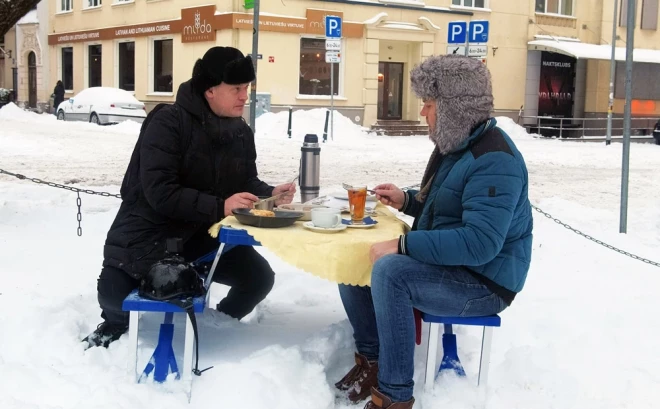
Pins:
<point x="450" y="353"/>
<point x="163" y="357"/>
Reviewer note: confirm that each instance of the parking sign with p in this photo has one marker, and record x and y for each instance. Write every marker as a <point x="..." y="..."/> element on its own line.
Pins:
<point x="478" y="31"/>
<point x="457" y="33"/>
<point x="333" y="27"/>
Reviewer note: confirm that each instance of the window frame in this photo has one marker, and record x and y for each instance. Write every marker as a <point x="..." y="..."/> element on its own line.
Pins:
<point x="116" y="62"/>
<point x="151" y="65"/>
<point x="60" y="66"/>
<point x="86" y="63"/>
<point x="86" y="4"/>
<point x="60" y="9"/>
<point x="649" y="19"/>
<point x="560" y="14"/>
<point x="340" y="75"/>
<point x="462" y="5"/>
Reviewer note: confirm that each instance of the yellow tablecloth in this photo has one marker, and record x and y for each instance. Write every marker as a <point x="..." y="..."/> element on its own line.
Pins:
<point x="341" y="257"/>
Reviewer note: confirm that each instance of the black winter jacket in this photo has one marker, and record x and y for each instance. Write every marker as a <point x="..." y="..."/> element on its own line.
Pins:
<point x="188" y="162"/>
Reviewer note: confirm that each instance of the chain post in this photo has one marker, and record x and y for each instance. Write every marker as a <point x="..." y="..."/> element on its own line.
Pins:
<point x="588" y="237"/>
<point x="118" y="196"/>
<point x="79" y="215"/>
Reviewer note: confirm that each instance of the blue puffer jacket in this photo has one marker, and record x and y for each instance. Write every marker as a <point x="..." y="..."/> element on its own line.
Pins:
<point x="477" y="213"/>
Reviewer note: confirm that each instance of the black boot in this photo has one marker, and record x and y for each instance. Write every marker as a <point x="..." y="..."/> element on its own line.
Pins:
<point x="105" y="334"/>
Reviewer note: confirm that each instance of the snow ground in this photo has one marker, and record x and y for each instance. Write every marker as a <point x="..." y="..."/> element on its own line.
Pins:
<point x="582" y="334"/>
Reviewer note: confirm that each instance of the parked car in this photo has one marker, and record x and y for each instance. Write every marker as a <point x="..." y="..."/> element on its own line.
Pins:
<point x="102" y="105"/>
<point x="656" y="133"/>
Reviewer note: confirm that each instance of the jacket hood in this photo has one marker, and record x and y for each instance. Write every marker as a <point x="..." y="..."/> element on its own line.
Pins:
<point x="192" y="102"/>
<point x="462" y="89"/>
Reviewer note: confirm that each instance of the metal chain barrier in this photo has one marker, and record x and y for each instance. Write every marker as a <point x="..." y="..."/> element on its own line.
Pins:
<point x="106" y="194"/>
<point x="65" y="187"/>
<point x="595" y="240"/>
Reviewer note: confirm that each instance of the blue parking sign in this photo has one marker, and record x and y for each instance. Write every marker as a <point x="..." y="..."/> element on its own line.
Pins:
<point x="457" y="33"/>
<point x="478" y="31"/>
<point x="333" y="27"/>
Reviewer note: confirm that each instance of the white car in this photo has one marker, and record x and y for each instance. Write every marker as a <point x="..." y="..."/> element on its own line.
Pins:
<point x="102" y="105"/>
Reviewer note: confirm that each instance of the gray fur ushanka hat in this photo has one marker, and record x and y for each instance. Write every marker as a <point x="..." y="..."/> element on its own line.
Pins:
<point x="461" y="87"/>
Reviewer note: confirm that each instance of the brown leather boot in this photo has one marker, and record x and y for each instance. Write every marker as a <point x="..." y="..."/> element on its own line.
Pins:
<point x="380" y="401"/>
<point x="360" y="379"/>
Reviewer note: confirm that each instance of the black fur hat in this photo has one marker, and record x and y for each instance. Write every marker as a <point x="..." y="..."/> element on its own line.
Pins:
<point x="222" y="64"/>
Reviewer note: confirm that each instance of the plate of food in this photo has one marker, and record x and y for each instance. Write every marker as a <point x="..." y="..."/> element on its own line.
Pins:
<point x="266" y="218"/>
<point x="304" y="209"/>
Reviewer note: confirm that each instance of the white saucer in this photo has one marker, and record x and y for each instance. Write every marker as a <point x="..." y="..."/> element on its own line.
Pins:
<point x="310" y="226"/>
<point x="360" y="226"/>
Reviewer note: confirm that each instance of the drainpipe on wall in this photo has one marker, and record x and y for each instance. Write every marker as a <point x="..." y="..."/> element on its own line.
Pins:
<point x="255" y="55"/>
<point x="610" y="106"/>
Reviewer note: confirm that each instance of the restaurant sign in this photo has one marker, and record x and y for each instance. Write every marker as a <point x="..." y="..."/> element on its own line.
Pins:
<point x="198" y="24"/>
<point x="138" y="30"/>
<point x="201" y="23"/>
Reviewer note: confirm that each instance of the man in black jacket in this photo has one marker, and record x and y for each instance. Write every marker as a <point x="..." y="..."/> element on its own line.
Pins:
<point x="194" y="164"/>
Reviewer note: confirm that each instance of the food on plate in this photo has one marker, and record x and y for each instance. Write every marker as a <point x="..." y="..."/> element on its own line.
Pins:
<point x="262" y="213"/>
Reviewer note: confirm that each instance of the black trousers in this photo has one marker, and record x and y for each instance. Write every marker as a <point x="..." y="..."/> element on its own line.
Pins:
<point x="242" y="268"/>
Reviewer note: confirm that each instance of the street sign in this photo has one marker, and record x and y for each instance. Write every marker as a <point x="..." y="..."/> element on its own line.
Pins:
<point x="333" y="27"/>
<point x="478" y="31"/>
<point x="457" y="32"/>
<point x="456" y="49"/>
<point x="332" y="57"/>
<point x="333" y="44"/>
<point x="477" y="50"/>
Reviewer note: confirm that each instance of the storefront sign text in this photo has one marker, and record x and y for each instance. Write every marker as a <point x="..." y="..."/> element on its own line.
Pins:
<point x="198" y="24"/>
<point x="201" y="23"/>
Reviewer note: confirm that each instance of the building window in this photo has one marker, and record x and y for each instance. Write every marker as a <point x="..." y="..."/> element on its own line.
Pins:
<point x="92" y="3"/>
<point x="95" y="64"/>
<point x="67" y="68"/>
<point x="562" y="7"/>
<point x="127" y="66"/>
<point x="314" y="71"/>
<point x="66" y="5"/>
<point x="649" y="14"/>
<point x="470" y="3"/>
<point x="163" y="62"/>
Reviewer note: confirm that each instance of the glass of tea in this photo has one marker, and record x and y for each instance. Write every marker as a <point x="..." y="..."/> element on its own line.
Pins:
<point x="357" y="200"/>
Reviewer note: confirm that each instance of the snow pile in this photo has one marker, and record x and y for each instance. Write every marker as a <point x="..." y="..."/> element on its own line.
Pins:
<point x="30" y="18"/>
<point x="275" y="125"/>
<point x="582" y="334"/>
<point x="13" y="112"/>
<point x="514" y="130"/>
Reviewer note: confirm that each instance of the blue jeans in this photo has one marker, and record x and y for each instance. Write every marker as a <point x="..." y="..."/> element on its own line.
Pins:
<point x="382" y="316"/>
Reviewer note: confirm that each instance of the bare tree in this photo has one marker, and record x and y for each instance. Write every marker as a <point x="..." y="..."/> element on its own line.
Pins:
<point x="12" y="10"/>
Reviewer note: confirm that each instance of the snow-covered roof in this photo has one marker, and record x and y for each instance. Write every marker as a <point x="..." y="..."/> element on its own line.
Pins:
<point x="587" y="51"/>
<point x="29" y="18"/>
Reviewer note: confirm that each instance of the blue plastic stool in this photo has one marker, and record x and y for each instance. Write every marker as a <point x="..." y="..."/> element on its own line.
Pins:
<point x="450" y="360"/>
<point x="163" y="361"/>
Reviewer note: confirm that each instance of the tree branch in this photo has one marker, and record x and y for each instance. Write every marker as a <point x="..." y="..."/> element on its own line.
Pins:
<point x="13" y="10"/>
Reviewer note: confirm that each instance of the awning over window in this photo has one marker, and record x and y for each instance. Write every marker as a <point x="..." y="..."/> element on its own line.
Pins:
<point x="587" y="51"/>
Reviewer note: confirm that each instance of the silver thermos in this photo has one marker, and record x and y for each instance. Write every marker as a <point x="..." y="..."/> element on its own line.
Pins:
<point x="310" y="168"/>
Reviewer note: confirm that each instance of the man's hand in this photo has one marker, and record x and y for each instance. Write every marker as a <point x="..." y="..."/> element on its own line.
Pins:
<point x="243" y="200"/>
<point x="390" y="195"/>
<point x="383" y="248"/>
<point x="289" y="189"/>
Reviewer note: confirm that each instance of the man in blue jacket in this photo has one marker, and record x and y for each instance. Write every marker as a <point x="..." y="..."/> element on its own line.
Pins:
<point x="470" y="246"/>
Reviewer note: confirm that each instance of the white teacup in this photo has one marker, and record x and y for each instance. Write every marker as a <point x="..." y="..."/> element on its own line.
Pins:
<point x="326" y="218"/>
